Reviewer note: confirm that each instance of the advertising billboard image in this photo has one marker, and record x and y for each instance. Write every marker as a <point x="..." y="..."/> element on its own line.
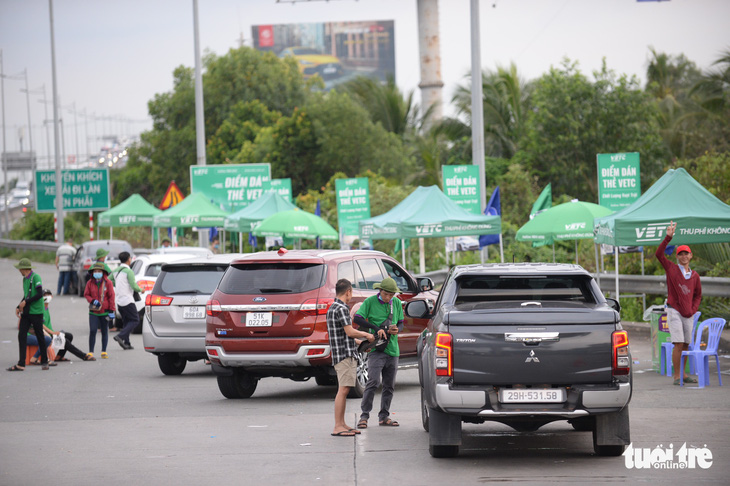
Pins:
<point x="336" y="51"/>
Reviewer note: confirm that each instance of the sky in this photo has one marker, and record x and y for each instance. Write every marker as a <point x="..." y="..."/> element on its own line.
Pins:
<point x="112" y="57"/>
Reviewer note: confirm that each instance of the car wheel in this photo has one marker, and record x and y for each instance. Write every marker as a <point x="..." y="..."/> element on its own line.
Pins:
<point x="443" y="450"/>
<point x="362" y="376"/>
<point x="240" y="385"/>
<point x="424" y="411"/>
<point x="82" y="286"/>
<point x="138" y="327"/>
<point x="615" y="428"/>
<point x="171" y="363"/>
<point x="326" y="380"/>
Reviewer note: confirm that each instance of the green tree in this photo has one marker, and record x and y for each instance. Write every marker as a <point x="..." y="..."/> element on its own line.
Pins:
<point x="712" y="92"/>
<point x="573" y="119"/>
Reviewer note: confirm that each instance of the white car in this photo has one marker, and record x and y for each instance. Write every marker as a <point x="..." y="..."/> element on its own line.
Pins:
<point x="146" y="268"/>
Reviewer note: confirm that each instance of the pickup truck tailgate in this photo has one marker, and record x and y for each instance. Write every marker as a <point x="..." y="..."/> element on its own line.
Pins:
<point x="560" y="348"/>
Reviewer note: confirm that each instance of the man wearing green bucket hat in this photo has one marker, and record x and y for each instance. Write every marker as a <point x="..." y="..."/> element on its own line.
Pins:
<point x="383" y="313"/>
<point x="30" y="314"/>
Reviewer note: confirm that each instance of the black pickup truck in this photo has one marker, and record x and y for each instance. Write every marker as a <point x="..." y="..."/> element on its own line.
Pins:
<point x="523" y="344"/>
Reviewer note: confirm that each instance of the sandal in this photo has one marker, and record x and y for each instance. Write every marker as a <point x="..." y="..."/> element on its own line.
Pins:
<point x="362" y="424"/>
<point x="388" y="423"/>
<point x="104" y="355"/>
<point x="356" y="432"/>
<point x="47" y="366"/>
<point x="689" y="379"/>
<point x="34" y="363"/>
<point x="16" y="368"/>
<point x="62" y="359"/>
<point x="89" y="357"/>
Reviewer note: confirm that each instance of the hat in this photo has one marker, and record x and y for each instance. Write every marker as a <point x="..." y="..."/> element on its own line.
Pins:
<point x="388" y="284"/>
<point x="98" y="266"/>
<point x="24" y="264"/>
<point x="682" y="248"/>
<point x="101" y="252"/>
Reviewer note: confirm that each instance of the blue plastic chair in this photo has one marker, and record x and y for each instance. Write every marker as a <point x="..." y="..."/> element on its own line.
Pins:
<point x="701" y="357"/>
<point x="665" y="355"/>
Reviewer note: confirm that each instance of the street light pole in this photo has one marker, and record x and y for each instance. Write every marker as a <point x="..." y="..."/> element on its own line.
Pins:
<point x="30" y="127"/>
<point x="2" y="156"/>
<point x="199" y="113"/>
<point x="59" y="181"/>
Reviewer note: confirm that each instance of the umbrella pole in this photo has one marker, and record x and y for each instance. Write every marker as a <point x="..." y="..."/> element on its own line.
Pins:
<point x="598" y="270"/>
<point x="240" y="242"/>
<point x="501" y="248"/>
<point x="553" y="252"/>
<point x="576" y="252"/>
<point x="615" y="253"/>
<point x="403" y="251"/>
<point x="111" y="233"/>
<point x="422" y="255"/>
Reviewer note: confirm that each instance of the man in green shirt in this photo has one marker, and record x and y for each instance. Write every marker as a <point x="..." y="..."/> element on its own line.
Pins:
<point x="30" y="313"/>
<point x="383" y="314"/>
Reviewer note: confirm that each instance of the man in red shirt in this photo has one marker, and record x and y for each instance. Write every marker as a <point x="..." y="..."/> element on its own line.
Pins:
<point x="684" y="294"/>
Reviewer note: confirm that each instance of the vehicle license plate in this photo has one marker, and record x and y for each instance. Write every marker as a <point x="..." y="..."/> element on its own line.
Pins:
<point x="258" y="319"/>
<point x="553" y="395"/>
<point x="197" y="312"/>
<point x="329" y="70"/>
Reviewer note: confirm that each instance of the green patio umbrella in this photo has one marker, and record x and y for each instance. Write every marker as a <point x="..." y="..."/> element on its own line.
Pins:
<point x="247" y="218"/>
<point x="296" y="223"/>
<point x="569" y="221"/>
<point x="133" y="211"/>
<point x="194" y="210"/>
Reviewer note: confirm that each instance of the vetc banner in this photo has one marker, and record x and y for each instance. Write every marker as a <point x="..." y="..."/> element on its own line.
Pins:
<point x="353" y="203"/>
<point x="461" y="185"/>
<point x="619" y="180"/>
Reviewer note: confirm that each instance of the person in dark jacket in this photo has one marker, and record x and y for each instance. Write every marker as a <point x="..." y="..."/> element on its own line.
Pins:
<point x="684" y="294"/>
<point x="99" y="293"/>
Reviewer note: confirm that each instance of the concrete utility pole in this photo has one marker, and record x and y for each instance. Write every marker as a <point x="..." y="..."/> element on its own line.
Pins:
<point x="477" y="104"/>
<point x="2" y="156"/>
<point x="428" y="47"/>
<point x="199" y="113"/>
<point x="59" y="180"/>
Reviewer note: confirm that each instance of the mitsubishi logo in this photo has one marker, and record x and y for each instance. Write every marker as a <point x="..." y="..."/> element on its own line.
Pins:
<point x="532" y="358"/>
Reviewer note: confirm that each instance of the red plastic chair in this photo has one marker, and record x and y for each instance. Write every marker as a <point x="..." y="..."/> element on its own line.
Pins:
<point x="701" y="357"/>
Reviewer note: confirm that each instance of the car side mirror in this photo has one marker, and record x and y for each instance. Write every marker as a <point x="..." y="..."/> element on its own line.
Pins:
<point x="418" y="309"/>
<point x="613" y="303"/>
<point x="425" y="284"/>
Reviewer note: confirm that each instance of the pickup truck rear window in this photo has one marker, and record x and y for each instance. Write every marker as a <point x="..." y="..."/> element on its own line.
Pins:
<point x="495" y="288"/>
<point x="272" y="278"/>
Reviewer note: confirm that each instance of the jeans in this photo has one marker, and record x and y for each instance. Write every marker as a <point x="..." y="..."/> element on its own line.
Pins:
<point x="33" y="341"/>
<point x="26" y="321"/>
<point x="130" y="319"/>
<point x="379" y="363"/>
<point x="64" y="279"/>
<point x="96" y="323"/>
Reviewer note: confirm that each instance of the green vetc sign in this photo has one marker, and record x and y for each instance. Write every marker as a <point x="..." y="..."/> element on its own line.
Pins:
<point x="461" y="185"/>
<point x="353" y="203"/>
<point x="282" y="187"/>
<point x="619" y="180"/>
<point x="83" y="190"/>
<point x="233" y="187"/>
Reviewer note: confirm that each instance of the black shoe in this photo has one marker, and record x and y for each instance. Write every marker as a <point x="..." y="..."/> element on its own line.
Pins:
<point x="120" y="341"/>
<point x="128" y="346"/>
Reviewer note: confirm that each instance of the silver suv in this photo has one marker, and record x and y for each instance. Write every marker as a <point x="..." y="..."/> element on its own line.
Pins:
<point x="174" y="319"/>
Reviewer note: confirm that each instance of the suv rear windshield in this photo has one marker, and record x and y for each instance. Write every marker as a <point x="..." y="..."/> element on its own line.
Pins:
<point x="189" y="279"/>
<point x="540" y="288"/>
<point x="273" y="278"/>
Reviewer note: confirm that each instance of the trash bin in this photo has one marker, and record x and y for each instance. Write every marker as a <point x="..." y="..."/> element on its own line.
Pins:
<point x="659" y="334"/>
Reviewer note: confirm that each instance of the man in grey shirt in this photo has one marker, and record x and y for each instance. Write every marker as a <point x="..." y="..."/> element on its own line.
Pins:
<point x="64" y="260"/>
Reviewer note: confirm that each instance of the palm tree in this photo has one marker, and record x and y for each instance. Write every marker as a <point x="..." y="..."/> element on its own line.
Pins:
<point x="712" y="92"/>
<point x="505" y="101"/>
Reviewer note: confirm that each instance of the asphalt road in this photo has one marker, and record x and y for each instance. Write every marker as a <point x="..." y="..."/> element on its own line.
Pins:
<point x="120" y="421"/>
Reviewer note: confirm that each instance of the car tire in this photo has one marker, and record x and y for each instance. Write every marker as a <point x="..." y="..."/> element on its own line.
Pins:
<point x="171" y="363"/>
<point x="424" y="411"/>
<point x="326" y="380"/>
<point x="612" y="425"/>
<point x="138" y="327"/>
<point x="239" y="385"/>
<point x="362" y="375"/>
<point x="444" y="431"/>
<point x="82" y="286"/>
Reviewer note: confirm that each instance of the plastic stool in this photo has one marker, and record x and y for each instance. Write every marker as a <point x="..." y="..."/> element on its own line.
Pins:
<point x="665" y="359"/>
<point x="31" y="350"/>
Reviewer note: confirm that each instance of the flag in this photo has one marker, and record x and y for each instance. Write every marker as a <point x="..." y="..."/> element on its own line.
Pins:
<point x="494" y="208"/>
<point x="212" y="233"/>
<point x="252" y="240"/>
<point x="545" y="201"/>
<point x="318" y="212"/>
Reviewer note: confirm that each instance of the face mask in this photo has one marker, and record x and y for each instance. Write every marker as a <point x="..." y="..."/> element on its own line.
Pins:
<point x="98" y="275"/>
<point x="47" y="299"/>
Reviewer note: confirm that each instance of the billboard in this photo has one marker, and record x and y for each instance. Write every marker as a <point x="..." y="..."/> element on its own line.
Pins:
<point x="83" y="190"/>
<point x="619" y="180"/>
<point x="461" y="185"/>
<point x="336" y="51"/>
<point x="231" y="186"/>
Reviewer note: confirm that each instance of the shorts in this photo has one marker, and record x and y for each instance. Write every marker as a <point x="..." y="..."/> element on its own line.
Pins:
<point x="347" y="372"/>
<point x="680" y="327"/>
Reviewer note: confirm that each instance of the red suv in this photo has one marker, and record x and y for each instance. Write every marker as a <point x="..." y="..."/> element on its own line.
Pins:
<point x="268" y="315"/>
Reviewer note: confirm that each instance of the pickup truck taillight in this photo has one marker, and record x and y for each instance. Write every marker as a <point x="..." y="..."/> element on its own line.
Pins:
<point x="316" y="307"/>
<point x="444" y="354"/>
<point x="213" y="308"/>
<point x="621" y="362"/>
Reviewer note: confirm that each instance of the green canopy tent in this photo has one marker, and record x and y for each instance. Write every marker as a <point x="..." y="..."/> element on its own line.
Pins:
<point x="569" y="221"/>
<point x="246" y="219"/>
<point x="676" y="196"/>
<point x="296" y="223"/>
<point x="194" y="210"/>
<point x="427" y="213"/>
<point x="133" y="211"/>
